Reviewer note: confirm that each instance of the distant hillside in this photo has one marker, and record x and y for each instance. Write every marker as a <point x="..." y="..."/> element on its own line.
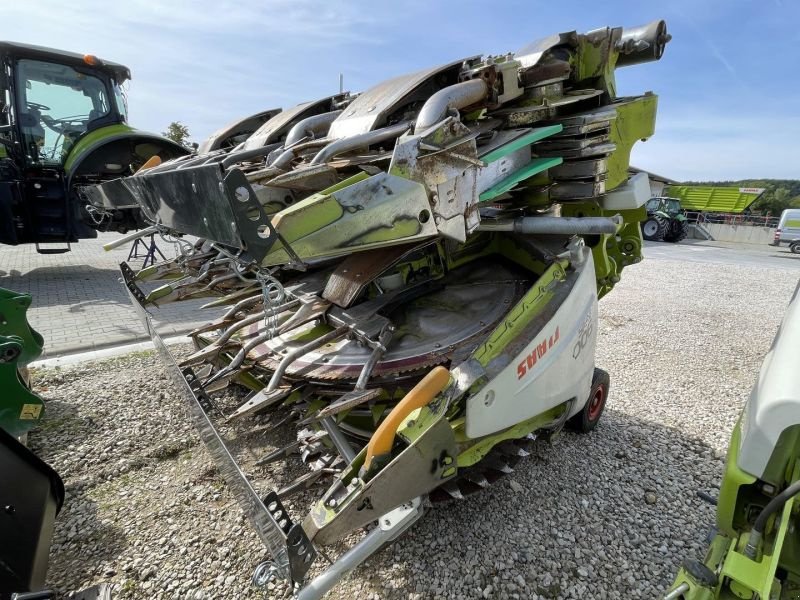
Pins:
<point x="780" y="194"/>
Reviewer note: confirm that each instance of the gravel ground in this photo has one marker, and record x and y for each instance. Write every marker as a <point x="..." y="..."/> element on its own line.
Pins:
<point x="607" y="515"/>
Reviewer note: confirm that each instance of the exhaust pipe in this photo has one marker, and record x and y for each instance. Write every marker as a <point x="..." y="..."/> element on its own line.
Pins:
<point x="456" y="96"/>
<point x="315" y="125"/>
<point x="360" y="140"/>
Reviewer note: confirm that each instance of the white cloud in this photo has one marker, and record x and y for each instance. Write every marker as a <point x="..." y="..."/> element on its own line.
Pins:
<point x="203" y="62"/>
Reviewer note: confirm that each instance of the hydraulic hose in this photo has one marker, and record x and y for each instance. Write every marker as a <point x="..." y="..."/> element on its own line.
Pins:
<point x="761" y="521"/>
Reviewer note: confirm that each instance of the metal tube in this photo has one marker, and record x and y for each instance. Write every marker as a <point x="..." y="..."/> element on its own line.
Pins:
<point x="555" y="225"/>
<point x="458" y="95"/>
<point x="359" y="141"/>
<point x="235" y="157"/>
<point x="298" y="352"/>
<point x="642" y="44"/>
<point x="130" y="237"/>
<point x="390" y="526"/>
<point x="677" y="592"/>
<point x="282" y="160"/>
<point x="338" y="439"/>
<point x="384" y="338"/>
<point x="310" y="125"/>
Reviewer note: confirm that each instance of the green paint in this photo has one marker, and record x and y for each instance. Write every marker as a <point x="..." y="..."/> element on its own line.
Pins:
<point x="477" y="450"/>
<point x="346" y="183"/>
<point x="636" y="120"/>
<point x="537" y="134"/>
<point x="732" y="480"/>
<point x="712" y="198"/>
<point x="537" y="165"/>
<point x="20" y="344"/>
<point x="401" y="228"/>
<point x="14" y="322"/>
<point x="531" y="305"/>
<point x="88" y="142"/>
<point x="611" y="253"/>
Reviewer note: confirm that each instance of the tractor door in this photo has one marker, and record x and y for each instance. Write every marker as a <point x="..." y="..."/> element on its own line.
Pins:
<point x="11" y="191"/>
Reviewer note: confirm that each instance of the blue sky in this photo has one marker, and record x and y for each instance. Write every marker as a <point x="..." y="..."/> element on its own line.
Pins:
<point x="728" y="84"/>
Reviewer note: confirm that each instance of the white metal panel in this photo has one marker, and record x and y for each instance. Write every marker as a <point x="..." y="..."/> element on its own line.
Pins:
<point x="556" y="366"/>
<point x="774" y="403"/>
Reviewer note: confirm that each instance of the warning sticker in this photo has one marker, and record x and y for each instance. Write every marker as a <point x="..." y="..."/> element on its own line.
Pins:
<point x="30" y="412"/>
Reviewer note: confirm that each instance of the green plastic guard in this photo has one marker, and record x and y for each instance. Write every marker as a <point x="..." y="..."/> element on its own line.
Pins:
<point x="20" y="344"/>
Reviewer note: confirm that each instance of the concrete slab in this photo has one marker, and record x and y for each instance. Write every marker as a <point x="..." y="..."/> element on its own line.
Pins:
<point x="79" y="302"/>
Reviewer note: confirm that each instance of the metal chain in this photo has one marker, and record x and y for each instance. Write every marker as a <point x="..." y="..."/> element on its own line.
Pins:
<point x="97" y="214"/>
<point x="183" y="248"/>
<point x="274" y="295"/>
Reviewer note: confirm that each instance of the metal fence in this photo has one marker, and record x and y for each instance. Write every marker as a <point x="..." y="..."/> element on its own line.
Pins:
<point x="732" y="219"/>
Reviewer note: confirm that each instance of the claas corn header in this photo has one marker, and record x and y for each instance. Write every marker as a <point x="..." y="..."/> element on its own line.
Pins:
<point x="411" y="276"/>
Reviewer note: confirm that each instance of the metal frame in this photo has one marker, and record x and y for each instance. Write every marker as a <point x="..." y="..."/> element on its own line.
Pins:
<point x="292" y="552"/>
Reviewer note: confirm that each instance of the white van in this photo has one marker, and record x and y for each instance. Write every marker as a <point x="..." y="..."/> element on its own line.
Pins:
<point x="788" y="227"/>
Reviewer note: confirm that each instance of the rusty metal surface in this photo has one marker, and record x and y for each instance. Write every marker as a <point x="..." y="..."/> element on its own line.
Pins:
<point x="356" y="272"/>
<point x="273" y="130"/>
<point x="370" y="109"/>
<point x="428" y="330"/>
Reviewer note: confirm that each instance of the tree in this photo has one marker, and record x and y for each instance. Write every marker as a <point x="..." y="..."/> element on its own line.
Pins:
<point x="178" y="133"/>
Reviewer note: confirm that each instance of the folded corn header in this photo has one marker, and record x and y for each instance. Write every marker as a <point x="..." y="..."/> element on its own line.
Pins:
<point x="411" y="275"/>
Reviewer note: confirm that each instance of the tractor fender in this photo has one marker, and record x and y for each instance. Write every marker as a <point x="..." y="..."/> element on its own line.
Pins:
<point x="117" y="144"/>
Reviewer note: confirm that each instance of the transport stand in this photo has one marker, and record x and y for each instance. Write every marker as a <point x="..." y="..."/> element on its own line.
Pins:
<point x="292" y="552"/>
<point x="150" y="248"/>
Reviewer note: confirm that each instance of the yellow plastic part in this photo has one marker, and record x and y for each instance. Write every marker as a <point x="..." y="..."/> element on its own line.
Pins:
<point x="420" y="395"/>
<point x="153" y="161"/>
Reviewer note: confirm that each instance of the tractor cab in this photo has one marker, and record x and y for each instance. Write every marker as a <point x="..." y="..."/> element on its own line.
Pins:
<point x="668" y="206"/>
<point x="63" y="125"/>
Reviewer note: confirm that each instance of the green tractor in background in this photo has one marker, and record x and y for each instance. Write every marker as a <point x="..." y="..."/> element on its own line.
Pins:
<point x="63" y="126"/>
<point x="666" y="221"/>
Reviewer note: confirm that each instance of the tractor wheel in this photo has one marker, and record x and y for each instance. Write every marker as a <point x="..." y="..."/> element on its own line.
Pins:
<point x="795" y="247"/>
<point x="586" y="420"/>
<point x="654" y="228"/>
<point x="676" y="231"/>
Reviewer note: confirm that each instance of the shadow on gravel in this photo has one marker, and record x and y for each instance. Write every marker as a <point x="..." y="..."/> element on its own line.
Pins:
<point x="82" y="544"/>
<point x="618" y="505"/>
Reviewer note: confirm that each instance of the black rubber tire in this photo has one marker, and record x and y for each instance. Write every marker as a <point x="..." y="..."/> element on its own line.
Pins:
<point x="795" y="248"/>
<point x="586" y="420"/>
<point x="660" y="231"/>
<point x="676" y="231"/>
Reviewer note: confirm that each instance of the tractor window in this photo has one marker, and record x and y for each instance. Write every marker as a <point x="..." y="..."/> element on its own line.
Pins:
<point x="652" y="204"/>
<point x="673" y="205"/>
<point x="57" y="104"/>
<point x="122" y="101"/>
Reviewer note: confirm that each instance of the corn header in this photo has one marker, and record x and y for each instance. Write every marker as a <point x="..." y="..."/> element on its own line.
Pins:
<point x="411" y="277"/>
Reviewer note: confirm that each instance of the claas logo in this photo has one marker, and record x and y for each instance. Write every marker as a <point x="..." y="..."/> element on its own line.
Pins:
<point x="539" y="350"/>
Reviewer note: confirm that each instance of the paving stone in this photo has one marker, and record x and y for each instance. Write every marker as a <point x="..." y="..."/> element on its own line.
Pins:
<point x="79" y="302"/>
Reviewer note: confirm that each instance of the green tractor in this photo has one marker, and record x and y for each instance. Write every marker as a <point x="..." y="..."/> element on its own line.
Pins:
<point x="754" y="547"/>
<point x="666" y="221"/>
<point x="63" y="126"/>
